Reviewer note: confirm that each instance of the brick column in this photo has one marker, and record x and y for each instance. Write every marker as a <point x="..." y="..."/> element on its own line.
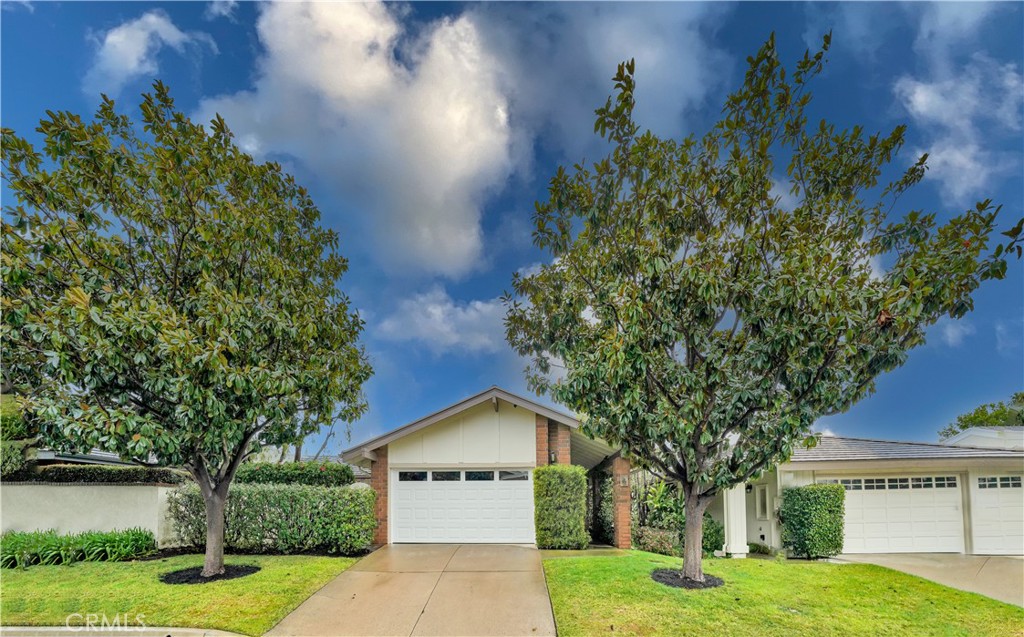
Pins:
<point x="542" y="441"/>
<point x="559" y="442"/>
<point x="620" y="496"/>
<point x="379" y="483"/>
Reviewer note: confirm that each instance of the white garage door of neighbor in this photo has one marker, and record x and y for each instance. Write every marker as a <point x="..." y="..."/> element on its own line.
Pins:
<point x="997" y="515"/>
<point x="903" y="514"/>
<point x="466" y="506"/>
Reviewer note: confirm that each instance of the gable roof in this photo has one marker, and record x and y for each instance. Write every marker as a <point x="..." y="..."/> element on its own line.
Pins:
<point x="843" y="448"/>
<point x="357" y="452"/>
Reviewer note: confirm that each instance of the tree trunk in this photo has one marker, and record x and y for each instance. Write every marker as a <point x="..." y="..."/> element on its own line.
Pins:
<point x="693" y="534"/>
<point x="213" y="564"/>
<point x="298" y="452"/>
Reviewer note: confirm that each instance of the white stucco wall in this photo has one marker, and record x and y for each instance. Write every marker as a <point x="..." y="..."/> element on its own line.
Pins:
<point x="479" y="436"/>
<point x="73" y="508"/>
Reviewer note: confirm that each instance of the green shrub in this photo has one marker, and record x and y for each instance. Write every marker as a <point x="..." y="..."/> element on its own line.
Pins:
<point x="93" y="473"/>
<point x="560" y="506"/>
<point x="812" y="520"/>
<point x="758" y="548"/>
<point x="322" y="474"/>
<point x="23" y="549"/>
<point x="604" y="516"/>
<point x="12" y="457"/>
<point x="653" y="540"/>
<point x="281" y="518"/>
<point x="713" y="538"/>
<point x="12" y="425"/>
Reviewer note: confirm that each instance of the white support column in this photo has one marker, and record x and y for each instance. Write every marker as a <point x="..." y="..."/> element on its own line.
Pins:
<point x="735" y="507"/>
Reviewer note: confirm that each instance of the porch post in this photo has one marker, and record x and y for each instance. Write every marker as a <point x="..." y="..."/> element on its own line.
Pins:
<point x="736" y="521"/>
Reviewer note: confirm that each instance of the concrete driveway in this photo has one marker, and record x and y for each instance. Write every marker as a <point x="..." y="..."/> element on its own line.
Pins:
<point x="998" y="577"/>
<point x="431" y="589"/>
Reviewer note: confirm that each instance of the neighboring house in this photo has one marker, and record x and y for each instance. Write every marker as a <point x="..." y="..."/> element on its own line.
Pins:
<point x="1009" y="437"/>
<point x="48" y="456"/>
<point x="464" y="474"/>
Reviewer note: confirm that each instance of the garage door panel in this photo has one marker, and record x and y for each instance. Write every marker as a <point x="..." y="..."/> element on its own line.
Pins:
<point x="998" y="514"/>
<point x="463" y="511"/>
<point x="902" y="514"/>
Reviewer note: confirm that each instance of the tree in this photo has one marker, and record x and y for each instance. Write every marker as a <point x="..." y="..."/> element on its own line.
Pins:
<point x="169" y="299"/>
<point x="704" y="325"/>
<point x="999" y="414"/>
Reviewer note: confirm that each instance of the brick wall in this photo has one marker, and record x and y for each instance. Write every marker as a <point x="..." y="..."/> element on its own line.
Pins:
<point x="379" y="483"/>
<point x="560" y="443"/>
<point x="542" y="440"/>
<point x="620" y="495"/>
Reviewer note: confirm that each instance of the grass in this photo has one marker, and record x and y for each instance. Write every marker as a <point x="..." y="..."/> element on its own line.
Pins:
<point x="46" y="595"/>
<point x="616" y="596"/>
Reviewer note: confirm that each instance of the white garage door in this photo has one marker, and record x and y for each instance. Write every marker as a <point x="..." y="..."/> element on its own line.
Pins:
<point x="466" y="506"/>
<point x="997" y="515"/>
<point x="903" y="514"/>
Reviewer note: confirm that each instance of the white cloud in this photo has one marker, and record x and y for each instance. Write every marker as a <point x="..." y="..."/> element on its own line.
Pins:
<point x="129" y="51"/>
<point x="410" y="129"/>
<point x="945" y="26"/>
<point x="1008" y="336"/>
<point x="438" y="322"/>
<point x="953" y="332"/>
<point x="963" y="112"/>
<point x="11" y="5"/>
<point x="220" y="9"/>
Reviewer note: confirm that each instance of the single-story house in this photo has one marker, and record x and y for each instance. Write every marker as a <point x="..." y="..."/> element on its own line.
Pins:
<point x="464" y="474"/>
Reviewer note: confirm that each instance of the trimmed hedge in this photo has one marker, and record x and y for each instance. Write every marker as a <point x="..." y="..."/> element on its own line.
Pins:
<point x="23" y="549"/>
<point x="812" y="519"/>
<point x="560" y="507"/>
<point x="323" y="474"/>
<point x="92" y="473"/>
<point x="12" y="424"/>
<point x="282" y="518"/>
<point x="669" y="541"/>
<point x="713" y="538"/>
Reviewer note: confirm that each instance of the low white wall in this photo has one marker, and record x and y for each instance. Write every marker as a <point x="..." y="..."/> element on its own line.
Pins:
<point x="73" y="508"/>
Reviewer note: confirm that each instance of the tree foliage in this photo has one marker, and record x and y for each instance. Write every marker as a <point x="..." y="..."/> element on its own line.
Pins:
<point x="167" y="298"/>
<point x="1000" y="414"/>
<point x="703" y="324"/>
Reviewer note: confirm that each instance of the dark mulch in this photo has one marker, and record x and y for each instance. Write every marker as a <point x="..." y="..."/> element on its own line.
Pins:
<point x="674" y="577"/>
<point x="193" y="576"/>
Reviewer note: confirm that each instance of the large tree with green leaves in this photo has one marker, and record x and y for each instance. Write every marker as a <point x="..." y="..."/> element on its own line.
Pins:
<point x="1000" y="414"/>
<point x="169" y="299"/>
<point x="702" y="323"/>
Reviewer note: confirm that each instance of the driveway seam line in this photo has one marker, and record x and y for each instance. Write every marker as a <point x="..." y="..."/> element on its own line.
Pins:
<point x="439" y="576"/>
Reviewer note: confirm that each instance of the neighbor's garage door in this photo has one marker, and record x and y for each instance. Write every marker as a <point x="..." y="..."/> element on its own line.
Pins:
<point x="997" y="515"/>
<point x="903" y="514"/>
<point x="474" y="506"/>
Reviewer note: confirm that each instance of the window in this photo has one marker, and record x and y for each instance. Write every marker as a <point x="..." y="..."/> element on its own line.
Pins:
<point x="761" y="501"/>
<point x="874" y="484"/>
<point x="899" y="483"/>
<point x="412" y="476"/>
<point x="513" y="475"/>
<point x="920" y="483"/>
<point x="853" y="484"/>
<point x="945" y="482"/>
<point x="446" y="476"/>
<point x="479" y="476"/>
<point x="1000" y="482"/>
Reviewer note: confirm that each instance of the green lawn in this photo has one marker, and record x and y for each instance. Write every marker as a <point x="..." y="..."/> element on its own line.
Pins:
<point x="616" y="596"/>
<point x="46" y="595"/>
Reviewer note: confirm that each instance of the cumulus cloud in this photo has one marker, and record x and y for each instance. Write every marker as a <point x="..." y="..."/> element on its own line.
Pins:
<point x="417" y="125"/>
<point x="441" y="324"/>
<point x="1008" y="336"/>
<point x="129" y="51"/>
<point x="953" y="332"/>
<point x="220" y="9"/>
<point x="963" y="112"/>
<point x="411" y="129"/>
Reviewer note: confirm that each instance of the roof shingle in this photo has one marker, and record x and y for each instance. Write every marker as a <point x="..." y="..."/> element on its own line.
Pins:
<point x="842" y="448"/>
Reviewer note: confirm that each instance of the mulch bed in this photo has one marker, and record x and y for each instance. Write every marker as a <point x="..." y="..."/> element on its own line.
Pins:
<point x="193" y="575"/>
<point x="674" y="577"/>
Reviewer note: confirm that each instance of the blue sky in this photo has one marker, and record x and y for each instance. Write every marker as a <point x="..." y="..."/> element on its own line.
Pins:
<point x="427" y="131"/>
